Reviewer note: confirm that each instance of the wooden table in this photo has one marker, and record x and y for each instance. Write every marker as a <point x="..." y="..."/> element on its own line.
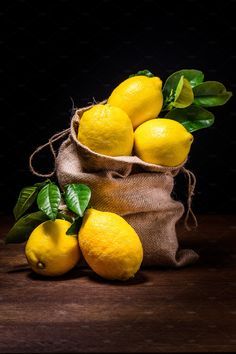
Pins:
<point x="190" y="309"/>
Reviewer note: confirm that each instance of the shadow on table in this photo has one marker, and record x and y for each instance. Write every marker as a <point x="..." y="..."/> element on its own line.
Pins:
<point x="24" y="268"/>
<point x="20" y="268"/>
<point x="139" y="278"/>
<point x="77" y="273"/>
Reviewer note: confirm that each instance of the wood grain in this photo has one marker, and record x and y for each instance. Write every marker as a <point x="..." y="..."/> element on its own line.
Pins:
<point x="161" y="310"/>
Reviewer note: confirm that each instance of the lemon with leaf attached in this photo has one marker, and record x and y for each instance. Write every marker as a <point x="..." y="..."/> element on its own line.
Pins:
<point x="49" y="251"/>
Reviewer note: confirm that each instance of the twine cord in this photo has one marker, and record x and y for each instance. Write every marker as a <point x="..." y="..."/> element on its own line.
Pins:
<point x="50" y="143"/>
<point x="191" y="188"/>
<point x="191" y="177"/>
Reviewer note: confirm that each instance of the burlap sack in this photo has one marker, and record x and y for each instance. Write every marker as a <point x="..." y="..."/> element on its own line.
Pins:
<point x="138" y="191"/>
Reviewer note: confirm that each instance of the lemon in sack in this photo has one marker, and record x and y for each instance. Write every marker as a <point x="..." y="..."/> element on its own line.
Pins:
<point x="110" y="245"/>
<point x="140" y="97"/>
<point x="50" y="251"/>
<point x="163" y="142"/>
<point x="106" y="130"/>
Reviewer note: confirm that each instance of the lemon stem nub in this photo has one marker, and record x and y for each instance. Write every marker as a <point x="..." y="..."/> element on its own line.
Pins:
<point x="40" y="265"/>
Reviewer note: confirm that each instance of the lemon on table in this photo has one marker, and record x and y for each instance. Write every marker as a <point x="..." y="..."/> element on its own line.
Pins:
<point x="106" y="130"/>
<point x="140" y="97"/>
<point x="50" y="251"/>
<point x="163" y="142"/>
<point x="110" y="245"/>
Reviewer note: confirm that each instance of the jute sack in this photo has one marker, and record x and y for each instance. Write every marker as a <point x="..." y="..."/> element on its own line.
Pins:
<point x="138" y="191"/>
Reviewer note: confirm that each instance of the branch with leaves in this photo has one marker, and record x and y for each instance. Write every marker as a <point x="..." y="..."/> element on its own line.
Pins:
<point x="186" y="96"/>
<point x="50" y="204"/>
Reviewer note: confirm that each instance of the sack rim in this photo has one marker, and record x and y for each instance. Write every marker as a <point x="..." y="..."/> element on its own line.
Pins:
<point x="133" y="159"/>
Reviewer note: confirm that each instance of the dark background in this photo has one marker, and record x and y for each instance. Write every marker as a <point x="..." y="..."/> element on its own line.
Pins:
<point x="53" y="52"/>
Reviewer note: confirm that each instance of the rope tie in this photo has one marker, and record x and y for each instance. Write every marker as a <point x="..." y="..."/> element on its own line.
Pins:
<point x="50" y="143"/>
<point x="191" y="187"/>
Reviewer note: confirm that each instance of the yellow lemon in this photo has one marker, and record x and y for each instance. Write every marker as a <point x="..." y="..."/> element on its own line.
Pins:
<point x="50" y="251"/>
<point x="110" y="245"/>
<point x="163" y="142"/>
<point x="106" y="130"/>
<point x="140" y="97"/>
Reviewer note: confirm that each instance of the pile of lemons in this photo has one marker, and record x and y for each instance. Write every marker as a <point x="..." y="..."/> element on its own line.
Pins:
<point x="110" y="246"/>
<point x="129" y="125"/>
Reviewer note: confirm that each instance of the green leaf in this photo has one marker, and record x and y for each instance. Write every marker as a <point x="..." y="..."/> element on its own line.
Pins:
<point x="195" y="77"/>
<point x="75" y="226"/>
<point x="179" y="87"/>
<point x="48" y="200"/>
<point x="183" y="94"/>
<point x="77" y="197"/>
<point x="211" y="94"/>
<point x="174" y="82"/>
<point x="193" y="117"/>
<point x="143" y="73"/>
<point x="22" y="229"/>
<point x="65" y="217"/>
<point x="26" y="198"/>
<point x="40" y="185"/>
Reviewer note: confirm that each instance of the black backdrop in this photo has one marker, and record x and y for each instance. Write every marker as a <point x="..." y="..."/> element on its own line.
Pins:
<point x="53" y="52"/>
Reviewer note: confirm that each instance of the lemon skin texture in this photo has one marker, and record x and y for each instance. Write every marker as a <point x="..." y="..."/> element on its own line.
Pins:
<point x="49" y="251"/>
<point x="110" y="245"/>
<point x="140" y="97"/>
<point x="162" y="142"/>
<point x="106" y="130"/>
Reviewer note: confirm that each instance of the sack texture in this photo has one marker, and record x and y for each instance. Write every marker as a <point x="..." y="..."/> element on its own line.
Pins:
<point x="138" y="191"/>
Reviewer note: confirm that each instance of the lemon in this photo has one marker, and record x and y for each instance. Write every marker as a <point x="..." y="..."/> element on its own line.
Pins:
<point x="140" y="97"/>
<point x="110" y="245"/>
<point x="163" y="142"/>
<point x="106" y="130"/>
<point x="50" y="251"/>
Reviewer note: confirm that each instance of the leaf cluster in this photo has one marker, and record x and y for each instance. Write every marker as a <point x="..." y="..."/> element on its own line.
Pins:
<point x="187" y="97"/>
<point x="50" y="204"/>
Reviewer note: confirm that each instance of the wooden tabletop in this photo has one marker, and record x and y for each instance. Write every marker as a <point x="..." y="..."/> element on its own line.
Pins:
<point x="160" y="310"/>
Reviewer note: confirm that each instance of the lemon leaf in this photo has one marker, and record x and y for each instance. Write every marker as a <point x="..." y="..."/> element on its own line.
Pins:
<point x="48" y="200"/>
<point x="184" y="94"/>
<point x="194" y="77"/>
<point x="26" y="198"/>
<point x="40" y="185"/>
<point x="77" y="197"/>
<point x="143" y="73"/>
<point x="179" y="87"/>
<point x="75" y="226"/>
<point x="192" y="117"/>
<point x="22" y="229"/>
<point x="65" y="217"/>
<point x="211" y="94"/>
